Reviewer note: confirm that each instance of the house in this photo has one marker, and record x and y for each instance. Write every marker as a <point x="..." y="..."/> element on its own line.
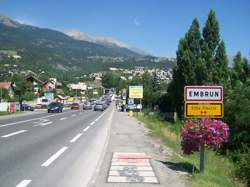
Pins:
<point x="49" y="86"/>
<point x="36" y="83"/>
<point x="80" y="86"/>
<point x="7" y="86"/>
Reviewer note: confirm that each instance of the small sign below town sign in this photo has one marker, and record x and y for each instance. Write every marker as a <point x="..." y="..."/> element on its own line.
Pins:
<point x="203" y="101"/>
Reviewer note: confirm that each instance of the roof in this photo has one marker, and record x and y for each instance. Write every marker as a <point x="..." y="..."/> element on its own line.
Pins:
<point x="5" y="85"/>
<point x="34" y="78"/>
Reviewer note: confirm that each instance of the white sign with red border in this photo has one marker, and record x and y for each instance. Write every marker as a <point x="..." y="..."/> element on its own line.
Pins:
<point x="203" y="94"/>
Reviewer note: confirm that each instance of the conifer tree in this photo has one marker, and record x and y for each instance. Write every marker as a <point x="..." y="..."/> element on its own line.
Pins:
<point x="221" y="73"/>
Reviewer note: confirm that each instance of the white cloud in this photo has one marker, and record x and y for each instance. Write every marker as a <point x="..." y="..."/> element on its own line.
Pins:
<point x="136" y="22"/>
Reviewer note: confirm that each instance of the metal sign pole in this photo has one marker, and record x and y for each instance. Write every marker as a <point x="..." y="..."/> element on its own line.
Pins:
<point x="140" y="106"/>
<point x="202" y="158"/>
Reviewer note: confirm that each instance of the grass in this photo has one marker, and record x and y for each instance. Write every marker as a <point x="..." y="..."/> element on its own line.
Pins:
<point x="218" y="169"/>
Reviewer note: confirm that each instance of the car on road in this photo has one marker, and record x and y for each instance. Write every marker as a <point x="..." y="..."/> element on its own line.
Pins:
<point x="99" y="107"/>
<point x="87" y="106"/>
<point x="75" y="106"/>
<point x="55" y="107"/>
<point x="26" y="107"/>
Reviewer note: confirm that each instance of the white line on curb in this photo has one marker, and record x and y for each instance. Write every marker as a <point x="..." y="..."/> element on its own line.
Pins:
<point x="76" y="137"/>
<point x="24" y="183"/>
<point x="14" y="133"/>
<point x="54" y="157"/>
<point x="84" y="130"/>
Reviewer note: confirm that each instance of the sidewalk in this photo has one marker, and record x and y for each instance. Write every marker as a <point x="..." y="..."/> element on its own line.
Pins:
<point x="127" y="162"/>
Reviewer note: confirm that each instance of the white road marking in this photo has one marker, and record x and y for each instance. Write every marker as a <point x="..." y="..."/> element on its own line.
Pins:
<point x="92" y="123"/>
<point x="76" y="137"/>
<point x="43" y="124"/>
<point x="14" y="133"/>
<point x="73" y="115"/>
<point x="10" y="124"/>
<point x="54" y="157"/>
<point x="64" y="118"/>
<point x="24" y="183"/>
<point x="84" y="130"/>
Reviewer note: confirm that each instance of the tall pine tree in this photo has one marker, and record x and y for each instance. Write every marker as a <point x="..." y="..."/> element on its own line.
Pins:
<point x="188" y="58"/>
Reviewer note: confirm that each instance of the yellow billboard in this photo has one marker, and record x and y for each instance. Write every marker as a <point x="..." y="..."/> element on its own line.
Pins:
<point x="136" y="92"/>
<point x="199" y="110"/>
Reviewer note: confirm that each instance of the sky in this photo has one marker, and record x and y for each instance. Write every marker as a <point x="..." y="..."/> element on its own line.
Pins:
<point x="155" y="26"/>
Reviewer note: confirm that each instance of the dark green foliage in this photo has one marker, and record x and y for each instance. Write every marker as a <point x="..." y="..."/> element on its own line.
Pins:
<point x="242" y="169"/>
<point x="237" y="110"/>
<point x="211" y="32"/>
<point x="22" y="89"/>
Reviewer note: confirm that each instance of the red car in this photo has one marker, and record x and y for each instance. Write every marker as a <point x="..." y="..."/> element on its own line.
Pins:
<point x="75" y="106"/>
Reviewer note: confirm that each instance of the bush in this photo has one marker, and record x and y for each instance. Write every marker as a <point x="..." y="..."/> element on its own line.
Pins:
<point x="242" y="169"/>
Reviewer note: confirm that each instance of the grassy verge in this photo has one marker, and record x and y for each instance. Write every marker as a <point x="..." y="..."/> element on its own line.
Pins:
<point x="218" y="169"/>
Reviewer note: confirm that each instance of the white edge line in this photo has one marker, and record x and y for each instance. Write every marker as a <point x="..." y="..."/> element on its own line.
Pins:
<point x="24" y="183"/>
<point x="84" y="130"/>
<point x="14" y="133"/>
<point x="54" y="157"/>
<point x="76" y="137"/>
<point x="92" y="123"/>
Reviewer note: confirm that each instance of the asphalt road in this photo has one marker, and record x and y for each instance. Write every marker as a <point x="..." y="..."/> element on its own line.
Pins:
<point x="44" y="149"/>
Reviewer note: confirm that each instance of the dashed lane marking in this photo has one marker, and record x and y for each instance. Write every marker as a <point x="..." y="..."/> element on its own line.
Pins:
<point x="84" y="130"/>
<point x="14" y="133"/>
<point x="76" y="138"/>
<point x="24" y="183"/>
<point x="43" y="124"/>
<point x="63" y="118"/>
<point x="54" y="157"/>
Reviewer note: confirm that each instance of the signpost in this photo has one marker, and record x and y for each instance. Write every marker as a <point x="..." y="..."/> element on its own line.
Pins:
<point x="203" y="101"/>
<point x="136" y="92"/>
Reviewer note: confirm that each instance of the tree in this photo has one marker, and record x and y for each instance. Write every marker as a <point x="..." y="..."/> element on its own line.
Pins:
<point x="211" y="32"/>
<point x="210" y="47"/>
<point x="239" y="72"/>
<point x="189" y="62"/>
<point x="22" y="89"/>
<point x="221" y="73"/>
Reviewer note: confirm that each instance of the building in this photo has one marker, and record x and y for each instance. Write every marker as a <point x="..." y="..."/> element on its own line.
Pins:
<point x="36" y="83"/>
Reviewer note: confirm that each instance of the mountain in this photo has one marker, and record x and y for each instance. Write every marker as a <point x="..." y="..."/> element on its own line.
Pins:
<point x="103" y="40"/>
<point x="35" y="48"/>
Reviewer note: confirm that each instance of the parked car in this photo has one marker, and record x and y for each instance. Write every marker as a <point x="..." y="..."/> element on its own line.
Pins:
<point x="75" y="106"/>
<point x="87" y="106"/>
<point x="25" y="107"/>
<point x="99" y="107"/>
<point x="55" y="107"/>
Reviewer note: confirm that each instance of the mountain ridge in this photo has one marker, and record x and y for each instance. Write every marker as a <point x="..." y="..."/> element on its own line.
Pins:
<point x="104" y="40"/>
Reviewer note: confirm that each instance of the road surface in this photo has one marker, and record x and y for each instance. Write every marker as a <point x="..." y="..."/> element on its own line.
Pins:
<point x="60" y="149"/>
